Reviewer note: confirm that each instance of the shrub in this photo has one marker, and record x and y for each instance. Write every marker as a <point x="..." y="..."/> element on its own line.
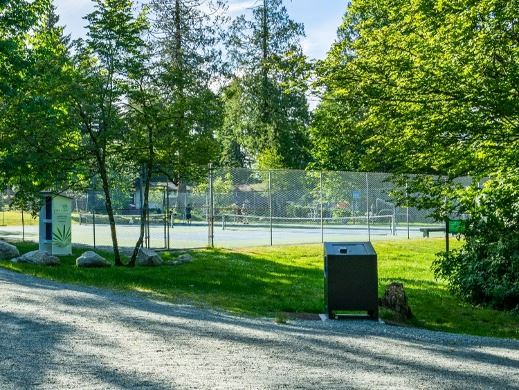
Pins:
<point x="486" y="269"/>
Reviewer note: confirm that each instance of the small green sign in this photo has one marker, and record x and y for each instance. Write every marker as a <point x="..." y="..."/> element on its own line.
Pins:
<point x="456" y="226"/>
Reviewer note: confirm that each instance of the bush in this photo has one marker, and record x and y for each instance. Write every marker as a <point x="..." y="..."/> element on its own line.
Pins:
<point x="486" y="269"/>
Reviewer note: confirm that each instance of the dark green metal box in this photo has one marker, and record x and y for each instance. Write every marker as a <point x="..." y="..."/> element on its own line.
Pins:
<point x="350" y="278"/>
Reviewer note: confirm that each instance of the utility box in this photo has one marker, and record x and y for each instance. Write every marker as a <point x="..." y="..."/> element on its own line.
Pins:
<point x="55" y="224"/>
<point x="350" y="279"/>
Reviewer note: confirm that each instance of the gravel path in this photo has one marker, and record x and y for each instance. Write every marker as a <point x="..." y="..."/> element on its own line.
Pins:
<point x="62" y="336"/>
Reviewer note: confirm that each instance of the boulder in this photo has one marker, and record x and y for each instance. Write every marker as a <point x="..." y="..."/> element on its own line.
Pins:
<point x="185" y="258"/>
<point x="148" y="257"/>
<point x="395" y="299"/>
<point x="38" y="258"/>
<point x="8" y="251"/>
<point x="91" y="259"/>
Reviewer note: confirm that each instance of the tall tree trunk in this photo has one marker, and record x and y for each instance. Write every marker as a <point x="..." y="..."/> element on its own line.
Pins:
<point x="109" y="208"/>
<point x="266" y="110"/>
<point x="179" y="87"/>
<point x="145" y="205"/>
<point x="144" y="213"/>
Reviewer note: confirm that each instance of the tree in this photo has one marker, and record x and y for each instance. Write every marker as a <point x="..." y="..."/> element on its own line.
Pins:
<point x="187" y="39"/>
<point x="433" y="89"/>
<point x="38" y="140"/>
<point x="102" y="66"/>
<point x="425" y="81"/>
<point x="270" y="72"/>
<point x="173" y="112"/>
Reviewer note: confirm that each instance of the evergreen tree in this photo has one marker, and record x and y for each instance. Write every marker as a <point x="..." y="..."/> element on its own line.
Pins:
<point x="187" y="40"/>
<point x="271" y="72"/>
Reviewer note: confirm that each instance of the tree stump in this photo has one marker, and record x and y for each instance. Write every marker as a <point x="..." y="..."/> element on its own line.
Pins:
<point x="395" y="299"/>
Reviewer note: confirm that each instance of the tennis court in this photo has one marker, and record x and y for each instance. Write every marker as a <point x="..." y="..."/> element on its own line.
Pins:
<point x="229" y="233"/>
<point x="246" y="207"/>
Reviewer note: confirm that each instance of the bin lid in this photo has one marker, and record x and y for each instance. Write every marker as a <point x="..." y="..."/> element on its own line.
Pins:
<point x="348" y="248"/>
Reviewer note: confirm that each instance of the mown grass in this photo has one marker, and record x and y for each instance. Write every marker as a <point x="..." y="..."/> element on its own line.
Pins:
<point x="268" y="281"/>
<point x="14" y="218"/>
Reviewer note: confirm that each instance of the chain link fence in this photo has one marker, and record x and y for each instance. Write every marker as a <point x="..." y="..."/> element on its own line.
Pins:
<point x="247" y="207"/>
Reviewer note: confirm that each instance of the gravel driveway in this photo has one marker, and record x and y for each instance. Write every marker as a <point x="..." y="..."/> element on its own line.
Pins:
<point x="63" y="336"/>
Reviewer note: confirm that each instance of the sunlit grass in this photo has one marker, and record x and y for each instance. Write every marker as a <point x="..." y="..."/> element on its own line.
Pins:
<point x="14" y="218"/>
<point x="267" y="281"/>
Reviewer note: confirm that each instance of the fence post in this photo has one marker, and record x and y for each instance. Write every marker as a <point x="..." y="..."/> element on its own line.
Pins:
<point x="210" y="216"/>
<point x="270" y="205"/>
<point x="395" y="221"/>
<point x="147" y="229"/>
<point x="23" y="227"/>
<point x="94" y="226"/>
<point x="407" y="212"/>
<point x="321" y="204"/>
<point x="367" y="207"/>
<point x="165" y="217"/>
<point x="168" y="216"/>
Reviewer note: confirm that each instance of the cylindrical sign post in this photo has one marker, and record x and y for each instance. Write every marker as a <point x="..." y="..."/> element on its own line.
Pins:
<point x="447" y="236"/>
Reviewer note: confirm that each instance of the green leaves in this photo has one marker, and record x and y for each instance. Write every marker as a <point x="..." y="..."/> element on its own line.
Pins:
<point x="431" y="87"/>
<point x="437" y="78"/>
<point x="267" y="102"/>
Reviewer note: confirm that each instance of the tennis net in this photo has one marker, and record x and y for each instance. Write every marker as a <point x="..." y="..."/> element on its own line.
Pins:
<point x="239" y="221"/>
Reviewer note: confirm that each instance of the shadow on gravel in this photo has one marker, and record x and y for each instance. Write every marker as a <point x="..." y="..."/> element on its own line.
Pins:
<point x="27" y="348"/>
<point x="31" y="346"/>
<point x="311" y="344"/>
<point x="32" y="349"/>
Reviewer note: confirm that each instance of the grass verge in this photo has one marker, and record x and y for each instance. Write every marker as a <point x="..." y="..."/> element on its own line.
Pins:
<point x="267" y="281"/>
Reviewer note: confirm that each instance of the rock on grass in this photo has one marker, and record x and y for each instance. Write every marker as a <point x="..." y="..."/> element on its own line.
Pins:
<point x="91" y="259"/>
<point x="37" y="258"/>
<point x="8" y="251"/>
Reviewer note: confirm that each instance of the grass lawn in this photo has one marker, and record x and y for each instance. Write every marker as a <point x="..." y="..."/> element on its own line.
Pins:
<point x="266" y="281"/>
<point x="14" y="218"/>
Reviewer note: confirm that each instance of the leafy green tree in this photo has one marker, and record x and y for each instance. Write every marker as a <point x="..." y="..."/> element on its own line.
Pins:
<point x="268" y="97"/>
<point x="485" y="270"/>
<point x="103" y="64"/>
<point x="432" y="88"/>
<point x="229" y="135"/>
<point x="172" y="111"/>
<point x="39" y="140"/>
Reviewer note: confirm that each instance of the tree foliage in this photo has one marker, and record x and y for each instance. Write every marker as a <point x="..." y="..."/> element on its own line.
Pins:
<point x="39" y="141"/>
<point x="103" y="66"/>
<point x="432" y="87"/>
<point x="429" y="86"/>
<point x="486" y="269"/>
<point x="189" y="61"/>
<point x="267" y="101"/>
